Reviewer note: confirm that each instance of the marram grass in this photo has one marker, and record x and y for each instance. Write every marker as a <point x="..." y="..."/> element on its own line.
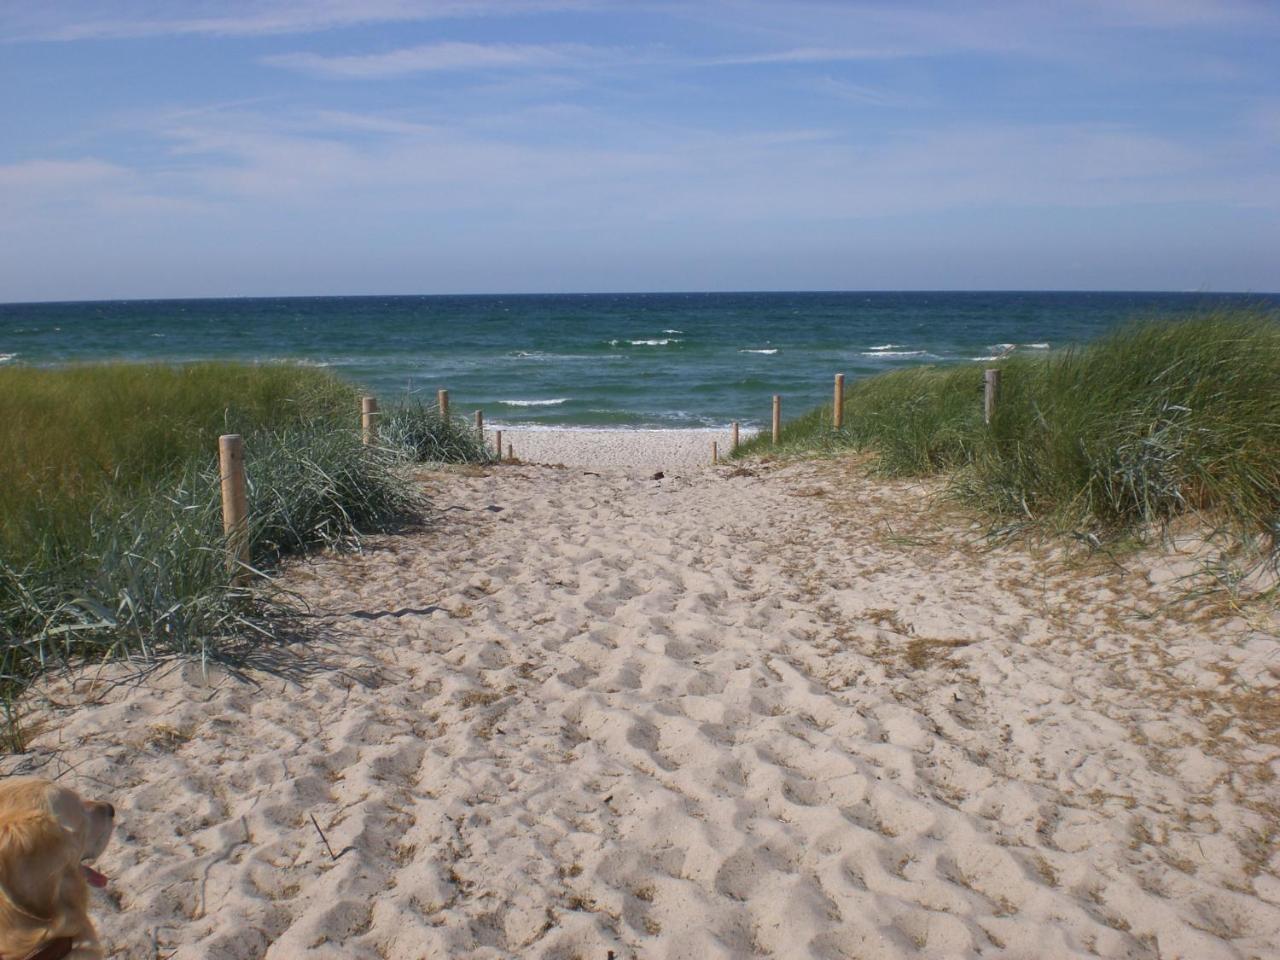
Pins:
<point x="1158" y="419"/>
<point x="110" y="512"/>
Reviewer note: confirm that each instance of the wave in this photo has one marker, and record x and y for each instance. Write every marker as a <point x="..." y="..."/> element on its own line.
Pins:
<point x="770" y="351"/>
<point x="534" y="403"/>
<point x="886" y="346"/>
<point x="643" y="343"/>
<point x="539" y="355"/>
<point x="1001" y="351"/>
<point x="896" y="353"/>
<point x="6" y="357"/>
<point x="673" y="331"/>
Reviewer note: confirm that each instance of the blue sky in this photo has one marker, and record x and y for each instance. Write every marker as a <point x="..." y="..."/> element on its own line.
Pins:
<point x="156" y="149"/>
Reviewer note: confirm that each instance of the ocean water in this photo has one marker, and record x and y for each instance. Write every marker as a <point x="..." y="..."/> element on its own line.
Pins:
<point x="602" y="360"/>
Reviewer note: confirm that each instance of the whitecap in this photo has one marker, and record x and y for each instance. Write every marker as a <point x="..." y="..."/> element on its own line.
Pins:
<point x="896" y="353"/>
<point x="770" y="351"/>
<point x="534" y="403"/>
<point x="6" y="357"/>
<point x="673" y="331"/>
<point x="539" y="355"/>
<point x="887" y="346"/>
<point x="1036" y="346"/>
<point x="648" y="343"/>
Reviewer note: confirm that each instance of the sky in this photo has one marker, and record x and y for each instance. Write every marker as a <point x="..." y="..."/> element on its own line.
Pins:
<point x="181" y="149"/>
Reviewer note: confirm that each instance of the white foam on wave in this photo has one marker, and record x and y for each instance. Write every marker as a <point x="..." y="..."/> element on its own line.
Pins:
<point x="895" y="353"/>
<point x="997" y="356"/>
<point x="644" y="343"/>
<point x="887" y="346"/>
<point x="1036" y="346"/>
<point x="534" y="403"/>
<point x="770" y="351"/>
<point x="673" y="331"/>
<point x="539" y="355"/>
<point x="6" y="357"/>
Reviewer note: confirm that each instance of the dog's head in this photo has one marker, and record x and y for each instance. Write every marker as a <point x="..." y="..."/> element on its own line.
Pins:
<point x="46" y="832"/>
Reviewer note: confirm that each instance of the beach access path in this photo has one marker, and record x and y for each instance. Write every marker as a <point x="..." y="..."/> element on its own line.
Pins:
<point x="776" y="710"/>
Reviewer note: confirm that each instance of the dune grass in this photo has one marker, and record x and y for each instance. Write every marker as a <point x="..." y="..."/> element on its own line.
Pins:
<point x="1158" y="419"/>
<point x="110" y="512"/>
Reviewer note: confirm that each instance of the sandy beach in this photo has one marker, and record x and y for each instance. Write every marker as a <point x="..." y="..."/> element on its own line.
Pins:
<point x="632" y="451"/>
<point x="776" y="710"/>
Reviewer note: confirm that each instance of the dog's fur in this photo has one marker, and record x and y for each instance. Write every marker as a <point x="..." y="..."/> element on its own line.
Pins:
<point x="45" y="831"/>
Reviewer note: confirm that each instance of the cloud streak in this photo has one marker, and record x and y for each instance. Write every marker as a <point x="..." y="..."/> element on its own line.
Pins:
<point x="71" y="21"/>
<point x="435" y="57"/>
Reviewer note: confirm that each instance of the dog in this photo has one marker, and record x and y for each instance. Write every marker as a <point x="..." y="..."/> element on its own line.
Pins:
<point x="46" y="831"/>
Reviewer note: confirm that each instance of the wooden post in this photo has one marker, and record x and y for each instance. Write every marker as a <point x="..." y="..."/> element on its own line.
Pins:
<point x="837" y="409"/>
<point x="735" y="435"/>
<point x="368" y="419"/>
<point x="480" y="424"/>
<point x="511" y="452"/>
<point x="715" y="454"/>
<point x="991" y="394"/>
<point x="235" y="505"/>
<point x="442" y="396"/>
<point x="777" y="417"/>
<point x="498" y="444"/>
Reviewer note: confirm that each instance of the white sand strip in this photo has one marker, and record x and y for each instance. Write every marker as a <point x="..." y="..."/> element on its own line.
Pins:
<point x="639" y="450"/>
<point x="782" y="713"/>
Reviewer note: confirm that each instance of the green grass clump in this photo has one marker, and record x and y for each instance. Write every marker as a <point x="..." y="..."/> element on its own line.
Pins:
<point x="1155" y="420"/>
<point x="111" y="538"/>
<point x="427" y="437"/>
<point x="69" y="435"/>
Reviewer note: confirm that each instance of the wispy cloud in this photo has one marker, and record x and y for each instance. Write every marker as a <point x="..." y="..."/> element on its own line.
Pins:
<point x="697" y="174"/>
<point x="37" y="175"/>
<point x="435" y="57"/>
<point x="812" y="55"/>
<point x="1174" y="14"/>
<point x="87" y="20"/>
<point x="864" y="93"/>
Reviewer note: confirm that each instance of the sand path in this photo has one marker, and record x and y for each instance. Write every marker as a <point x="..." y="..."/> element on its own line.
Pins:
<point x="723" y="714"/>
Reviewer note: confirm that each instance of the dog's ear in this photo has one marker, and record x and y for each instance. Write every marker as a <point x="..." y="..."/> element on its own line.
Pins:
<point x="29" y="837"/>
<point x="32" y="858"/>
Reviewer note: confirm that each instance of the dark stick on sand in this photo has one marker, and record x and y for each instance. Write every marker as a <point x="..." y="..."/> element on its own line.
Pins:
<point x="322" y="837"/>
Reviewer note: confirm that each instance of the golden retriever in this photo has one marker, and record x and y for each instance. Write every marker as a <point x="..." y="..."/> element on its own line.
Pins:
<point x="46" y="831"/>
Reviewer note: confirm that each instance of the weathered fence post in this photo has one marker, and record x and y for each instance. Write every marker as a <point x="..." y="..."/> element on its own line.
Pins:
<point x="837" y="408"/>
<point x="497" y="445"/>
<point x="735" y="435"/>
<point x="991" y="394"/>
<point x="442" y="397"/>
<point x="480" y="424"/>
<point x="511" y="452"/>
<point x="715" y="454"/>
<point x="777" y="417"/>
<point x="368" y="419"/>
<point x="235" y="505"/>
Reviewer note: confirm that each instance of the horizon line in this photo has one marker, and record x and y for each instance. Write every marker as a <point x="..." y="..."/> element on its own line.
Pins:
<point x="641" y="293"/>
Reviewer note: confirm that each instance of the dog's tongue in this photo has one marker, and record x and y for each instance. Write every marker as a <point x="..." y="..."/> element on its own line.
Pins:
<point x="93" y="876"/>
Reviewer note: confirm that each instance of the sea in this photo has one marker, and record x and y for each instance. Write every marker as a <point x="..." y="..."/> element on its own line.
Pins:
<point x="626" y="360"/>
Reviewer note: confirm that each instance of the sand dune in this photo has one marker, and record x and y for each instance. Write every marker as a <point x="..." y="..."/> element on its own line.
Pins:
<point x="730" y="713"/>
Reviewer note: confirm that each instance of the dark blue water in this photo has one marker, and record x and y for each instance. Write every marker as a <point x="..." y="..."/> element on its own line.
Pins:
<point x="627" y="360"/>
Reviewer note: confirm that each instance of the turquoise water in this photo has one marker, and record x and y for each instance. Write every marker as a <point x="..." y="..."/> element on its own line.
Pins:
<point x="623" y="360"/>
